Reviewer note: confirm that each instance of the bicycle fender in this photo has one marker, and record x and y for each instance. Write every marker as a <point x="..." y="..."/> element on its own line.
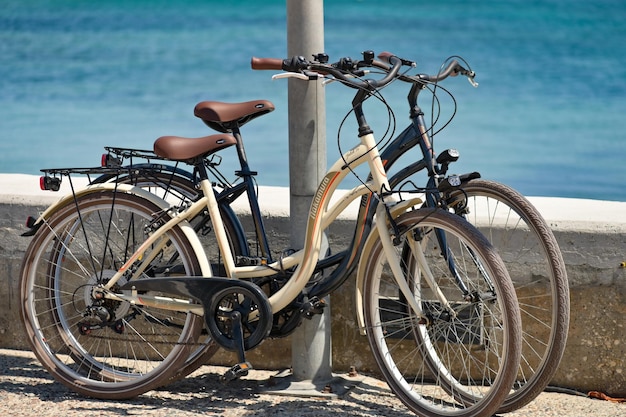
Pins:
<point x="395" y="211"/>
<point x="68" y="199"/>
<point x="94" y="188"/>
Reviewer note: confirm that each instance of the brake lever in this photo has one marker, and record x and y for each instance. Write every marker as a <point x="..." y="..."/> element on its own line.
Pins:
<point x="408" y="63"/>
<point x="470" y="78"/>
<point x="306" y="76"/>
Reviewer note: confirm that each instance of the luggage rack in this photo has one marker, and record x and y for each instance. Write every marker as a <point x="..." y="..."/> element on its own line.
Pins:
<point x="128" y="162"/>
<point x="52" y="178"/>
<point x="116" y="156"/>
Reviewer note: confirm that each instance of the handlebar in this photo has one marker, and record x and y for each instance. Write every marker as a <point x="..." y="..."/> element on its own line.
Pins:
<point x="453" y="69"/>
<point x="346" y="70"/>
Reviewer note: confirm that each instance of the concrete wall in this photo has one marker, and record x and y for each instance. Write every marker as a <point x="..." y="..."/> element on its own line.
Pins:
<point x="591" y="234"/>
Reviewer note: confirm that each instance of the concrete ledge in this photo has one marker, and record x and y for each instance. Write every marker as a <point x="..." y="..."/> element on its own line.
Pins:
<point x="591" y="234"/>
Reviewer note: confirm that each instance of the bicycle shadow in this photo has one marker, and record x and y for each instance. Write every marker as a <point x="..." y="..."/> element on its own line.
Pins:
<point x="362" y="399"/>
<point x="201" y="393"/>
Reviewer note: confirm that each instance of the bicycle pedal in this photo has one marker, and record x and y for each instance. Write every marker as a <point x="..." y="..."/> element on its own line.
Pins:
<point x="236" y="372"/>
<point x="312" y="307"/>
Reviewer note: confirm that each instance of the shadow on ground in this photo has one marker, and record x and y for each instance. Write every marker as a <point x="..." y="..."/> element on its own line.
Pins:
<point x="200" y="393"/>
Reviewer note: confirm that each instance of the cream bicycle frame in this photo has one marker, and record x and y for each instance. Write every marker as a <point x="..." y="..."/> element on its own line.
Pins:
<point x="321" y="215"/>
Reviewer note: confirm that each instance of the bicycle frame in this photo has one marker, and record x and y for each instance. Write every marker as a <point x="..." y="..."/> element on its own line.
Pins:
<point x="320" y="216"/>
<point x="401" y="144"/>
<point x="238" y="311"/>
<point x="414" y="134"/>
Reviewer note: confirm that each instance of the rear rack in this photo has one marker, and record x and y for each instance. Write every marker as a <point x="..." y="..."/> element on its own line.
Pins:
<point x="52" y="178"/>
<point x="117" y="156"/>
<point x="128" y="161"/>
<point x="136" y="165"/>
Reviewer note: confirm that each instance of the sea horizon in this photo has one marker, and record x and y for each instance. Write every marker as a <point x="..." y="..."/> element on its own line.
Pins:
<point x="546" y="119"/>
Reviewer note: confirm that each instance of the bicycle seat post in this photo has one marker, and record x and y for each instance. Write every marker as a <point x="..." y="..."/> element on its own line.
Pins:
<point x="241" y="155"/>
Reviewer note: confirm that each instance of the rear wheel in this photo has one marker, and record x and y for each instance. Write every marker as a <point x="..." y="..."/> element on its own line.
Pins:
<point x="177" y="188"/>
<point x="103" y="347"/>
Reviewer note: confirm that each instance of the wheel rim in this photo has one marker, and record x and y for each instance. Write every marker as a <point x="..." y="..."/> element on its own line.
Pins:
<point x="128" y="349"/>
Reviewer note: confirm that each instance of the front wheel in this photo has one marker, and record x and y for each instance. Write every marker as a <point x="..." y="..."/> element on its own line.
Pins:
<point x="103" y="347"/>
<point x="534" y="262"/>
<point x="459" y="354"/>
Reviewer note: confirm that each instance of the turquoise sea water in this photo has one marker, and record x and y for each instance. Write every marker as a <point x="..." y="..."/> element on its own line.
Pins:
<point x="549" y="116"/>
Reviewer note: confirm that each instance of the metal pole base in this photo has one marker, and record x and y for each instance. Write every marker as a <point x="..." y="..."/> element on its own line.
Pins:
<point x="285" y="384"/>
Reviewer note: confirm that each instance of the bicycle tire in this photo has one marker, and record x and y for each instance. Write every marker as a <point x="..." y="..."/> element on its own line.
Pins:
<point x="534" y="261"/>
<point x="171" y="184"/>
<point x="133" y="349"/>
<point x="432" y="365"/>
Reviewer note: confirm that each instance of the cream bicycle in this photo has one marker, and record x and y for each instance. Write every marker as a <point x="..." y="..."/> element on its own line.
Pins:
<point x="116" y="286"/>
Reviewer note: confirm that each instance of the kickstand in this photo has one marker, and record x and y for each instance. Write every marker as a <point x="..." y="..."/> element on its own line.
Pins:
<point x="242" y="368"/>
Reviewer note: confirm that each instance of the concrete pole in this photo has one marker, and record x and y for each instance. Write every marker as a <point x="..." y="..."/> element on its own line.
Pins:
<point x="311" y="344"/>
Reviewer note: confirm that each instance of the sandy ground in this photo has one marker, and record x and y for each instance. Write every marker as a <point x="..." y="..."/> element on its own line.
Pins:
<point x="26" y="389"/>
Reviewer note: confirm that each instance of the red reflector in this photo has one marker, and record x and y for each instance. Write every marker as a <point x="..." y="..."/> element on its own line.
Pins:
<point x="110" y="161"/>
<point x="30" y="221"/>
<point x="49" y="183"/>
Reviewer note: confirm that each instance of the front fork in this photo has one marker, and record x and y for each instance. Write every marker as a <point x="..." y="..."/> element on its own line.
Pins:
<point x="423" y="268"/>
<point x="434" y="199"/>
<point x="382" y="232"/>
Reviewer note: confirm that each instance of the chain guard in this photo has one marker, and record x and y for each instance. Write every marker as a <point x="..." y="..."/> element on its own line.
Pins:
<point x="254" y="316"/>
<point x="220" y="297"/>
